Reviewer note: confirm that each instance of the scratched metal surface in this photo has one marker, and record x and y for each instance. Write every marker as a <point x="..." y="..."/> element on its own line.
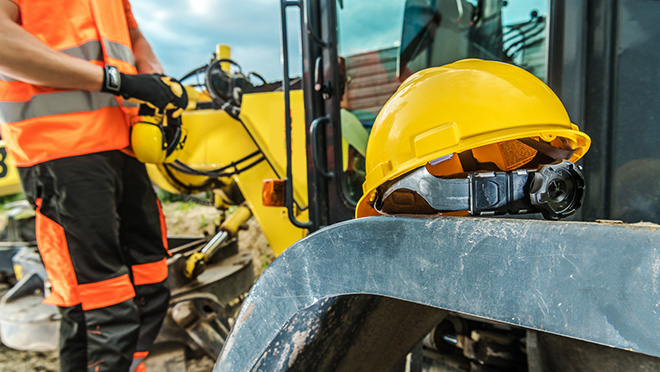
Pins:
<point x="590" y="281"/>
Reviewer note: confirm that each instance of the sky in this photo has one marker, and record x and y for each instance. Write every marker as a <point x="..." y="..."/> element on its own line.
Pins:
<point x="184" y="33"/>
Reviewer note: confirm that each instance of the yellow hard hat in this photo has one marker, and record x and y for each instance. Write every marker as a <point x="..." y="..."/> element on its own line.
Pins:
<point x="466" y="105"/>
<point x="156" y="143"/>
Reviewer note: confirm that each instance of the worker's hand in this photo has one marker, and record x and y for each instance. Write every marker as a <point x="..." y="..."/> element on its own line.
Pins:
<point x="149" y="115"/>
<point x="157" y="91"/>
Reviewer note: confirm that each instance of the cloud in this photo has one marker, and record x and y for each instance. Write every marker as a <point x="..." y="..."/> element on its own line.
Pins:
<point x="184" y="34"/>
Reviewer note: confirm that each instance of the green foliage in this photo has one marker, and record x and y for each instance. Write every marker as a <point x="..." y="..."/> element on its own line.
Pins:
<point x="265" y="261"/>
<point x="184" y="202"/>
<point x="6" y="199"/>
<point x="203" y="223"/>
<point x="168" y="197"/>
<point x="184" y="205"/>
<point x="231" y="209"/>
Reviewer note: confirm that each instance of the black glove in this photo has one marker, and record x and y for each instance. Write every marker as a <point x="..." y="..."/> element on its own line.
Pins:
<point x="157" y="91"/>
<point x="150" y="115"/>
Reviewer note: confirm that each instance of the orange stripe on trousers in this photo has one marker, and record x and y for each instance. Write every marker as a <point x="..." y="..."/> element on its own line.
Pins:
<point x="163" y="227"/>
<point x="106" y="292"/>
<point x="55" y="254"/>
<point x="150" y="273"/>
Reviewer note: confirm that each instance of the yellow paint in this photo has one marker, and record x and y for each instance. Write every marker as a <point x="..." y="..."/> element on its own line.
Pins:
<point x="160" y="179"/>
<point x="237" y="219"/>
<point x="215" y="140"/>
<point x="223" y="52"/>
<point x="9" y="181"/>
<point x="18" y="272"/>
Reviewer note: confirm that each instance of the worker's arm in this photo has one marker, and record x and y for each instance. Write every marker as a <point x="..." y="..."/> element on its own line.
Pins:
<point x="26" y="58"/>
<point x="146" y="61"/>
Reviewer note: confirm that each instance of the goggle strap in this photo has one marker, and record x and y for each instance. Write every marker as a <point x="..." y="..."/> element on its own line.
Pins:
<point x="556" y="190"/>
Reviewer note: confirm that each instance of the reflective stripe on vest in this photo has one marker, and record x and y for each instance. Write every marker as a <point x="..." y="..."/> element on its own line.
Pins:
<point x="55" y="104"/>
<point x="119" y="51"/>
<point x="43" y="123"/>
<point x="92" y="51"/>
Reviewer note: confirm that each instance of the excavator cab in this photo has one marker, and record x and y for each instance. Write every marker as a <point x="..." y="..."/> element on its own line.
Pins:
<point x="369" y="49"/>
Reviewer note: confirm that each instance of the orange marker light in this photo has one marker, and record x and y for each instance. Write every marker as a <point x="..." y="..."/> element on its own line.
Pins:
<point x="272" y="193"/>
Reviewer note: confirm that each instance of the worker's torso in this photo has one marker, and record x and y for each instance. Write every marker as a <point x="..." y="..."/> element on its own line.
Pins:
<point x="41" y="123"/>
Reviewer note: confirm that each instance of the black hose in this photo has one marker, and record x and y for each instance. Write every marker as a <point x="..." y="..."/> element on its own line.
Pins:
<point x="194" y="72"/>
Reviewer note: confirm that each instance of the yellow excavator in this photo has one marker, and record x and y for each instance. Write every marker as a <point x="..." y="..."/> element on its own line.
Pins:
<point x="482" y="292"/>
<point x="231" y="150"/>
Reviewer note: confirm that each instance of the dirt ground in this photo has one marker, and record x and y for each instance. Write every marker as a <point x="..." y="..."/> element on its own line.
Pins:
<point x="194" y="219"/>
<point x="182" y="218"/>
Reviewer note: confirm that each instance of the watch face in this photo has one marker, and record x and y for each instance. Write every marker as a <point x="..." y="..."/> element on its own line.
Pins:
<point x="113" y="80"/>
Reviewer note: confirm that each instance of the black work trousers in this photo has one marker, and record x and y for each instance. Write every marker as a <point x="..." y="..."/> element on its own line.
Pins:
<point x="101" y="235"/>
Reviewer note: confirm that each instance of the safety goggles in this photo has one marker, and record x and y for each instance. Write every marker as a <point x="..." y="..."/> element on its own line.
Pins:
<point x="556" y="190"/>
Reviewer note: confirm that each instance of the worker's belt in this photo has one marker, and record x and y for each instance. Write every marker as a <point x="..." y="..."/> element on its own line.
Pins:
<point x="556" y="190"/>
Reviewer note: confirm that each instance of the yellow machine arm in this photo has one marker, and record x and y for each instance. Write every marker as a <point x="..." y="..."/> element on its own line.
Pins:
<point x="234" y="143"/>
<point x="196" y="263"/>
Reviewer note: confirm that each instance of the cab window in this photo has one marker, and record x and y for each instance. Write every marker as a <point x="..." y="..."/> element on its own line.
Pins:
<point x="381" y="43"/>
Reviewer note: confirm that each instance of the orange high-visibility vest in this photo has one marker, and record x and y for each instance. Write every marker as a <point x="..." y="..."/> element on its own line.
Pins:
<point x="41" y="123"/>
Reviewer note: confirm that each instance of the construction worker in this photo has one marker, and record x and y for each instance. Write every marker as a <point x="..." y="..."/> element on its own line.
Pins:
<point x="64" y="68"/>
